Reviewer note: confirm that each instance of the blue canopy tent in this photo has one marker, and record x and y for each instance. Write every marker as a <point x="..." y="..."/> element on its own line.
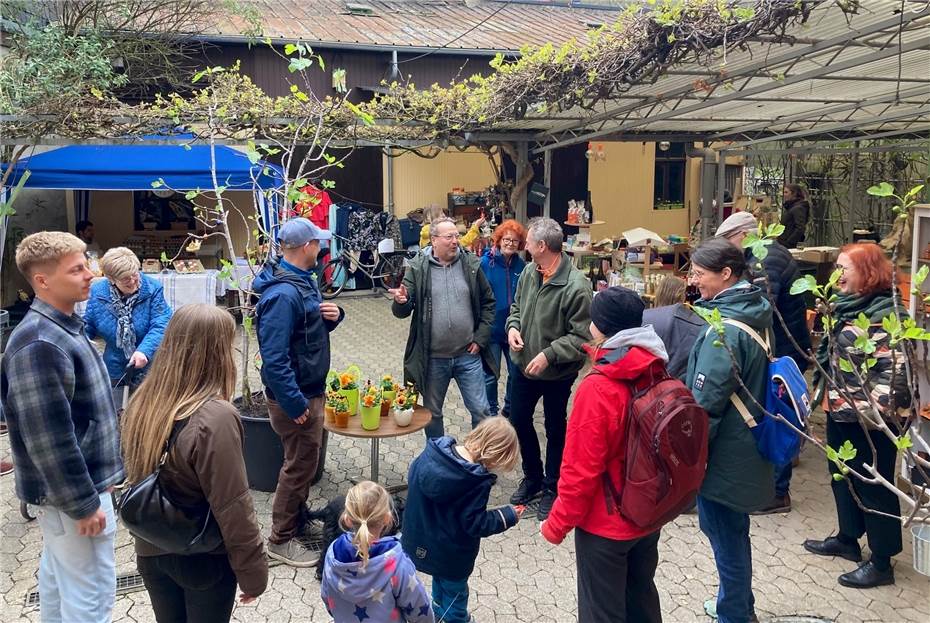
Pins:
<point x="135" y="167"/>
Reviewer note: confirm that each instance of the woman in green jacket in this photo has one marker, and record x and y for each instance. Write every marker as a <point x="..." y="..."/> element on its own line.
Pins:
<point x="738" y="480"/>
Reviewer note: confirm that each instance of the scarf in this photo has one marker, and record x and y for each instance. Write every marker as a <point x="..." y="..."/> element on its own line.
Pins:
<point x="122" y="307"/>
<point x="847" y="308"/>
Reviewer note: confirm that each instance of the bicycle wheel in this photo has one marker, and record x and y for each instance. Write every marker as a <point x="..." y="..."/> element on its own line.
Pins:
<point x="391" y="271"/>
<point x="335" y="275"/>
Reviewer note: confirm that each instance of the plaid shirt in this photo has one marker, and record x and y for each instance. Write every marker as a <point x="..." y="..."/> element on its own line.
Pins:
<point x="59" y="408"/>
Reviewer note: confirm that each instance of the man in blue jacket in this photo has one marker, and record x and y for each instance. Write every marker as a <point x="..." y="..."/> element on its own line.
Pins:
<point x="293" y="338"/>
<point x="63" y="432"/>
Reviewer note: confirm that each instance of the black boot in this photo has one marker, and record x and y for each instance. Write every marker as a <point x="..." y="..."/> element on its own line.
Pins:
<point x="868" y="575"/>
<point x="833" y="546"/>
<point x="526" y="492"/>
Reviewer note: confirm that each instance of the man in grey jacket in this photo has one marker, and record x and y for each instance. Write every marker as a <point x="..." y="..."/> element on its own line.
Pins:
<point x="453" y="311"/>
<point x="63" y="432"/>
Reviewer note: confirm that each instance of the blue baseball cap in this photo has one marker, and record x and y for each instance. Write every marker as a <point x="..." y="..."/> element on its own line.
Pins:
<point x="297" y="232"/>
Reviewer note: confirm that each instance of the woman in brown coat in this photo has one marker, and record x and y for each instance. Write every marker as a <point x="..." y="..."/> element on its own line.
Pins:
<point x="188" y="390"/>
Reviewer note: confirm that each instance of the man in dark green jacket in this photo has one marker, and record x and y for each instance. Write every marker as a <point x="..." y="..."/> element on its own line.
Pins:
<point x="548" y="325"/>
<point x="453" y="311"/>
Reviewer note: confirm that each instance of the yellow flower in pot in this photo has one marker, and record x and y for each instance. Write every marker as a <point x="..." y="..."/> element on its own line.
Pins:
<point x="348" y="387"/>
<point x="371" y="408"/>
<point x="403" y="408"/>
<point x="342" y="411"/>
<point x="332" y="401"/>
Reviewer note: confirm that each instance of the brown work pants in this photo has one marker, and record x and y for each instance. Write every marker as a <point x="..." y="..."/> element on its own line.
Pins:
<point x="301" y="454"/>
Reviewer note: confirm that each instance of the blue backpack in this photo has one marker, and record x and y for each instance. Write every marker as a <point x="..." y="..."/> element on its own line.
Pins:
<point x="786" y="394"/>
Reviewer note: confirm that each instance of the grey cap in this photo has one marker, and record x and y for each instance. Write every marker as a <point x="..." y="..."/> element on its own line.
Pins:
<point x="737" y="223"/>
<point x="297" y="232"/>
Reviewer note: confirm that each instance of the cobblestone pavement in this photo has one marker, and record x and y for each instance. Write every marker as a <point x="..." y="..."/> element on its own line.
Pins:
<point x="519" y="576"/>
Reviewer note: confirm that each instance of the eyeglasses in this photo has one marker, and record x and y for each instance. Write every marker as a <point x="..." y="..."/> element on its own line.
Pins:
<point x="449" y="236"/>
<point x="696" y="274"/>
<point x="128" y="281"/>
<point x="510" y="241"/>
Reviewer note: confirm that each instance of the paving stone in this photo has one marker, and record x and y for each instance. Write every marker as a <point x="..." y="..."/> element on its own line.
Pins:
<point x="518" y="576"/>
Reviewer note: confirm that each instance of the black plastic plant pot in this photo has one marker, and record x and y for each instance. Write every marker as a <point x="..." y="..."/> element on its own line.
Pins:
<point x="264" y="454"/>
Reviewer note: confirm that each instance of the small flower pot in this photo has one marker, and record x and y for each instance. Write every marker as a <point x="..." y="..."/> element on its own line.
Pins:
<point x="388" y="395"/>
<point x="403" y="417"/>
<point x="330" y="415"/>
<point x="342" y="419"/>
<point x="352" y="396"/>
<point x="371" y="417"/>
<point x="385" y="407"/>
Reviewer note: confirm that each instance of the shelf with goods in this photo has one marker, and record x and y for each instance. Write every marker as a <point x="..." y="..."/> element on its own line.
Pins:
<point x="920" y="432"/>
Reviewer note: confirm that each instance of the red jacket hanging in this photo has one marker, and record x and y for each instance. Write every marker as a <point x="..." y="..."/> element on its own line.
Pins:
<point x="315" y="208"/>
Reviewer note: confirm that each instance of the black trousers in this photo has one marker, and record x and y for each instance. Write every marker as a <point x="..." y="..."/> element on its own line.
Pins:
<point x="525" y="393"/>
<point x="616" y="579"/>
<point x="189" y="589"/>
<point x="884" y="533"/>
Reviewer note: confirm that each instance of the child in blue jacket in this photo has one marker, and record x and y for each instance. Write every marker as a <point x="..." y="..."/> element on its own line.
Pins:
<point x="368" y="577"/>
<point x="446" y="512"/>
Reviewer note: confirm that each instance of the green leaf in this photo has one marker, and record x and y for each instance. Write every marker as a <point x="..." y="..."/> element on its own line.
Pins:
<point x="919" y="277"/>
<point x="319" y="60"/>
<point x="164" y="258"/>
<point x="191" y="194"/>
<point x="199" y="75"/>
<point x="914" y="191"/>
<point x="158" y="183"/>
<point x="831" y="454"/>
<point x="290" y="48"/>
<point x="838" y="477"/>
<point x="846" y="366"/>
<point x="870" y="362"/>
<point x="299" y="64"/>
<point x="892" y="324"/>
<point x="882" y="190"/>
<point x="807" y="283"/>
<point x="861" y="322"/>
<point x="774" y="230"/>
<point x="847" y="451"/>
<point x="903" y="442"/>
<point x="865" y="344"/>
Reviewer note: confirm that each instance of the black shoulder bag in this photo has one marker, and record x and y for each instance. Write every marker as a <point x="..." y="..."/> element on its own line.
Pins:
<point x="149" y="513"/>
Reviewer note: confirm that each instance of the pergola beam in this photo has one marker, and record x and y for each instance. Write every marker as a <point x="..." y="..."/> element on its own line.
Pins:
<point x="858" y="61"/>
<point x="809" y="151"/>
<point x="896" y="22"/>
<point x="844" y="125"/>
<point x="888" y="97"/>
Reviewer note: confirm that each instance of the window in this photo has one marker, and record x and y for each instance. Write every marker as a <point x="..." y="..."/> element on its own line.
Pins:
<point x="669" y="184"/>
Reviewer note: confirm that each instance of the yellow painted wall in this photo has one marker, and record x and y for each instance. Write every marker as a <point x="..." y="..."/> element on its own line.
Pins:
<point x="621" y="190"/>
<point x="111" y="214"/>
<point x="419" y="182"/>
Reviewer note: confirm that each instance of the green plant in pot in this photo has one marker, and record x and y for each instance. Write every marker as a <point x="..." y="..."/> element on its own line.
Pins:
<point x="371" y="407"/>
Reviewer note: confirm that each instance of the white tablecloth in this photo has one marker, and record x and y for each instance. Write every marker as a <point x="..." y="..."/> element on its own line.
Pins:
<point x="182" y="289"/>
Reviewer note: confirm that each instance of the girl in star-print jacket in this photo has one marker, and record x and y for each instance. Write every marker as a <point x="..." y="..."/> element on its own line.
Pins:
<point x="369" y="578"/>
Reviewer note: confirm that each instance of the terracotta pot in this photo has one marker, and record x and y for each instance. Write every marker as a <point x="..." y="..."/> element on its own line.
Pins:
<point x="342" y="419"/>
<point x="330" y="415"/>
<point x="385" y="407"/>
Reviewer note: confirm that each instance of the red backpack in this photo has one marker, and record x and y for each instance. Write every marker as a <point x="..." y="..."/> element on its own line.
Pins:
<point x="666" y="452"/>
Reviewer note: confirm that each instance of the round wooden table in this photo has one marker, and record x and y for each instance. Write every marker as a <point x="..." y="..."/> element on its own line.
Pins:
<point x="388" y="428"/>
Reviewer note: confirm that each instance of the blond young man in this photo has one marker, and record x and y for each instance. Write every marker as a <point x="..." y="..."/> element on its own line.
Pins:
<point x="63" y="432"/>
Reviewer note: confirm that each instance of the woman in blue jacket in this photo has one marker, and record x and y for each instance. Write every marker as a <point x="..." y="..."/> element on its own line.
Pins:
<point x="128" y="310"/>
<point x="502" y="266"/>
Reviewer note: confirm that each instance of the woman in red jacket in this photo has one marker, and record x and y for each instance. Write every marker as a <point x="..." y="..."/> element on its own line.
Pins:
<point x="616" y="561"/>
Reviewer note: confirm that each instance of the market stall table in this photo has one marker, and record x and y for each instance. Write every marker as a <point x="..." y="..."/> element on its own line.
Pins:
<point x="388" y="428"/>
<point x="182" y="288"/>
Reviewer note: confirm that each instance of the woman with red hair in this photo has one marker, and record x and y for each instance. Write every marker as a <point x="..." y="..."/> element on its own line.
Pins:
<point x="865" y="289"/>
<point x="502" y="266"/>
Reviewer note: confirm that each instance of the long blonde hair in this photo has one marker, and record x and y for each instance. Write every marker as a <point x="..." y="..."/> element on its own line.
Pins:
<point x="193" y="365"/>
<point x="367" y="506"/>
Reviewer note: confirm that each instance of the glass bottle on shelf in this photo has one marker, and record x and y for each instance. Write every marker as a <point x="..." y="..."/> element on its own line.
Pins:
<point x="588" y="208"/>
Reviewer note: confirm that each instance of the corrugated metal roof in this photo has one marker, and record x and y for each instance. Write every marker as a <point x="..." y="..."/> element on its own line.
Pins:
<point x="419" y="23"/>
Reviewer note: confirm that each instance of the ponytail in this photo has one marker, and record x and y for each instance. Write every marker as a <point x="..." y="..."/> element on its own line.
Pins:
<point x="367" y="504"/>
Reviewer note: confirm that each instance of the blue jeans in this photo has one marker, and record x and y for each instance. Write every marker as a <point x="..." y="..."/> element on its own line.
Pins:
<point x="496" y="351"/>
<point x="450" y="600"/>
<point x="77" y="574"/>
<point x="469" y="376"/>
<point x="728" y="532"/>
<point x="783" y="479"/>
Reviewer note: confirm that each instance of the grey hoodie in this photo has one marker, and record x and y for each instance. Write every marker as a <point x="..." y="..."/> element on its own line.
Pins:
<point x="452" y="326"/>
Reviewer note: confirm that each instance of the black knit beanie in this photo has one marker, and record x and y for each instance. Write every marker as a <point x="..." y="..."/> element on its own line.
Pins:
<point x="616" y="309"/>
